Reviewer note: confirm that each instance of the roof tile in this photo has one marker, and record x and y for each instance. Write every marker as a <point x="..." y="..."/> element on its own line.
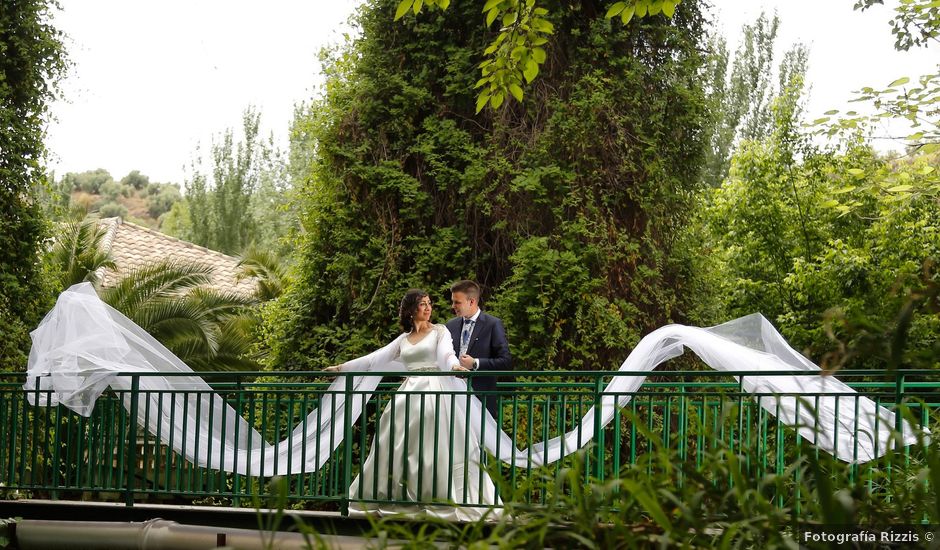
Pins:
<point x="133" y="246"/>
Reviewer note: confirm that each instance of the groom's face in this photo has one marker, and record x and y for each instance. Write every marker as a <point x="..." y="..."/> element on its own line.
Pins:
<point x="463" y="306"/>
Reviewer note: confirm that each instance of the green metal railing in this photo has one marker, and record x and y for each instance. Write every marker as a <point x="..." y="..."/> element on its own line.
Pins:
<point x="54" y="453"/>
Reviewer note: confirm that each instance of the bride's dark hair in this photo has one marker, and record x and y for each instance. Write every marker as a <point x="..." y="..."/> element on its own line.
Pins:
<point x="408" y="307"/>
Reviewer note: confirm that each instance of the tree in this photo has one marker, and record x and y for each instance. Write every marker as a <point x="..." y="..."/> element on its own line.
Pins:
<point x="567" y="207"/>
<point x="206" y="328"/>
<point x="32" y="59"/>
<point x="177" y="222"/>
<point x="741" y="101"/>
<point x="89" y="181"/>
<point x="824" y="242"/>
<point x="272" y="205"/>
<point x="266" y="268"/>
<point x="161" y="198"/>
<point x="247" y="184"/>
<point x="916" y="22"/>
<point x="135" y="179"/>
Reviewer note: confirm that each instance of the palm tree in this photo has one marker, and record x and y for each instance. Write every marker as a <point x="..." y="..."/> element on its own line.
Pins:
<point x="207" y="328"/>
<point x="77" y="254"/>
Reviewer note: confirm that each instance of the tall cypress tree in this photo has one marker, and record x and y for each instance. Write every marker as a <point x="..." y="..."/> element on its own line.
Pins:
<point x="567" y="207"/>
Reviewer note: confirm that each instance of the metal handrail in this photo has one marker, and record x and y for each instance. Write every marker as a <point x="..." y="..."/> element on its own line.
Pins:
<point x="54" y="453"/>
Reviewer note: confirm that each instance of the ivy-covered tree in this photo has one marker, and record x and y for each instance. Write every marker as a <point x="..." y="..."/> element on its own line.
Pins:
<point x="568" y="207"/>
<point x="32" y="59"/>
<point x="516" y="51"/>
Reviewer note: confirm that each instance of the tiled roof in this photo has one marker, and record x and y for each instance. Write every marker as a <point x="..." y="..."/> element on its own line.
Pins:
<point x="133" y="246"/>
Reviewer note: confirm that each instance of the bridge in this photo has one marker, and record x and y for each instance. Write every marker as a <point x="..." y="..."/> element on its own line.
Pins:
<point x="50" y="454"/>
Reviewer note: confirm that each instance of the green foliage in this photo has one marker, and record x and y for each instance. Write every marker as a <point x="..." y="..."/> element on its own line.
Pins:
<point x="242" y="200"/>
<point x="518" y="51"/>
<point x="176" y="222"/>
<point x="666" y="499"/>
<point x="89" y="181"/>
<point x="134" y="198"/>
<point x="917" y="104"/>
<point x="266" y="268"/>
<point x="591" y="178"/>
<point x="915" y="23"/>
<point x="77" y="255"/>
<point x="32" y="60"/>
<point x="830" y="245"/>
<point x="208" y="329"/>
<point x="163" y="199"/>
<point x="136" y="180"/>
<point x="112" y="210"/>
<point x="111" y="190"/>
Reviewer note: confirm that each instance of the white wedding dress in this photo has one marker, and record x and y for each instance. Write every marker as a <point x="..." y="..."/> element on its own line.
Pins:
<point x="83" y="346"/>
<point x="425" y="450"/>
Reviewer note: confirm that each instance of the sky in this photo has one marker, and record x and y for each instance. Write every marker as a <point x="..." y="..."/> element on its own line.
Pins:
<point x="153" y="81"/>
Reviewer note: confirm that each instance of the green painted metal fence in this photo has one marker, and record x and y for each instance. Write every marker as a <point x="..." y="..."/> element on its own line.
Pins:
<point x="54" y="453"/>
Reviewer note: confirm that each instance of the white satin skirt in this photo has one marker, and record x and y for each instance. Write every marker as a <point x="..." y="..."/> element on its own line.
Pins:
<point x="426" y="454"/>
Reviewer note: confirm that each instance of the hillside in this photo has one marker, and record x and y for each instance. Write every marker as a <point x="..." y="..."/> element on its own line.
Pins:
<point x="134" y="197"/>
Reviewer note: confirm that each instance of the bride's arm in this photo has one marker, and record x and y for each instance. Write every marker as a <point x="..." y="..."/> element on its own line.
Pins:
<point x="446" y="358"/>
<point x="381" y="359"/>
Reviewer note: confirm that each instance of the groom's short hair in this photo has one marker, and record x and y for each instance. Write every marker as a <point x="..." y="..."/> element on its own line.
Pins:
<point x="470" y="288"/>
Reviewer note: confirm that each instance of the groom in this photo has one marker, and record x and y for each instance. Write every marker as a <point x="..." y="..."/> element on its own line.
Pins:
<point x="479" y="340"/>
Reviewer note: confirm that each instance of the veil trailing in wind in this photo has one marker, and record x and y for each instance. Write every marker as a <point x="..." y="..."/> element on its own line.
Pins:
<point x="83" y="346"/>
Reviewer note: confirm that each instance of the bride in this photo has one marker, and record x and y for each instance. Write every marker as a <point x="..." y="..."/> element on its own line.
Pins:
<point x="83" y="346"/>
<point x="404" y="463"/>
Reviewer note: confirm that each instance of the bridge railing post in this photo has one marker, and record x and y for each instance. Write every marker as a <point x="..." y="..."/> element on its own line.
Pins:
<point x="347" y="444"/>
<point x="132" y="443"/>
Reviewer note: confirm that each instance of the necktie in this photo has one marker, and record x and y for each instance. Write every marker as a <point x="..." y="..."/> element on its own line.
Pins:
<point x="465" y="336"/>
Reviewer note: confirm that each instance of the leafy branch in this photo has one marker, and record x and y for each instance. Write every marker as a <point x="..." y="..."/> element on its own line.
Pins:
<point x="918" y="104"/>
<point x="515" y="56"/>
<point x="915" y="23"/>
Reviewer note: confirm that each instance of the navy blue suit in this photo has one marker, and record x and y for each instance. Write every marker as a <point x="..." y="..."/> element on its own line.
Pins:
<point x="489" y="345"/>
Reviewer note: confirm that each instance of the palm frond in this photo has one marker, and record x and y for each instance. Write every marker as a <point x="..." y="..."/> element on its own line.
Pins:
<point x="218" y="304"/>
<point x="180" y="320"/>
<point x="77" y="252"/>
<point x="156" y="281"/>
<point x="207" y="328"/>
<point x="267" y="268"/>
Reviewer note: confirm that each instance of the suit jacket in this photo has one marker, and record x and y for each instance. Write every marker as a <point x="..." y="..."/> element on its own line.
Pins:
<point x="488" y="343"/>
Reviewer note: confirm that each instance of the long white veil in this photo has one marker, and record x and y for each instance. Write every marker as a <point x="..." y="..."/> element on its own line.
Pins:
<point x="83" y="344"/>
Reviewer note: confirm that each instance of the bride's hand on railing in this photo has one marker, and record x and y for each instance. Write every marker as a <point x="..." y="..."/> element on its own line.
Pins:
<point x="459" y="368"/>
<point x="334" y="368"/>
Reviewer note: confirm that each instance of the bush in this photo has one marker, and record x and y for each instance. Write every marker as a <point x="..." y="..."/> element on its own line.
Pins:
<point x="819" y="240"/>
<point x="111" y="190"/>
<point x="112" y="210"/>
<point x="163" y="200"/>
<point x="89" y="181"/>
